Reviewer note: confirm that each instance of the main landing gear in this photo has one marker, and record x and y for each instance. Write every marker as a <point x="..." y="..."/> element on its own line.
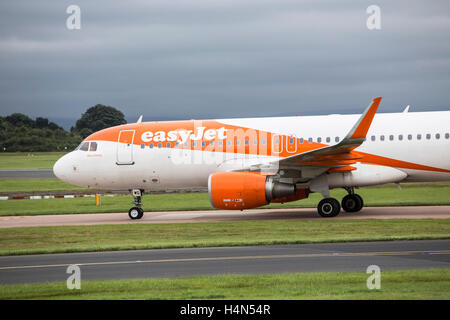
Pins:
<point x="352" y="202"/>
<point x="136" y="212"/>
<point x="330" y="207"/>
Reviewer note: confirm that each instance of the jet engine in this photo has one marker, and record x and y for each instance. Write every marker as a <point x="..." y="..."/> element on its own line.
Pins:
<point x="246" y="190"/>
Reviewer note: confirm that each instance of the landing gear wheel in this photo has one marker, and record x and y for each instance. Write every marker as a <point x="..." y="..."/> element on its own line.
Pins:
<point x="360" y="198"/>
<point x="135" y="213"/>
<point x="328" y="207"/>
<point x="352" y="203"/>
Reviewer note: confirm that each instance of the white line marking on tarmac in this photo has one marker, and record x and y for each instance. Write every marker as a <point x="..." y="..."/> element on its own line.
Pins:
<point x="280" y="256"/>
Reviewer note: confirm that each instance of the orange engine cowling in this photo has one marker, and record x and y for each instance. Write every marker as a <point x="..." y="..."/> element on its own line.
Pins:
<point x="246" y="190"/>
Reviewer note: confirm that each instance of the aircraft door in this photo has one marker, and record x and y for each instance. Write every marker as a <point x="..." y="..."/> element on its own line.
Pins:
<point x="277" y="144"/>
<point x="291" y="144"/>
<point x="125" y="147"/>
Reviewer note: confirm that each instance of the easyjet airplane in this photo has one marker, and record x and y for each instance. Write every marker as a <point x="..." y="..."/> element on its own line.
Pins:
<point x="247" y="163"/>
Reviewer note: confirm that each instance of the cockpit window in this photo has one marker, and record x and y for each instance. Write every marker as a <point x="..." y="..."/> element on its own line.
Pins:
<point x="87" y="146"/>
<point x="93" y="146"/>
<point x="84" y="146"/>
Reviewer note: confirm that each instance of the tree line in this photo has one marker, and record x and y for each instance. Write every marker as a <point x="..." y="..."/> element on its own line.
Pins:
<point x="19" y="132"/>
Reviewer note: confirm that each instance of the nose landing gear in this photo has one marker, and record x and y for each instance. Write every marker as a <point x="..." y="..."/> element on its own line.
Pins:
<point x="136" y="212"/>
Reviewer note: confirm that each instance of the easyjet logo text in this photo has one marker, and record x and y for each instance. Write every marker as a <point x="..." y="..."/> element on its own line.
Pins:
<point x="201" y="133"/>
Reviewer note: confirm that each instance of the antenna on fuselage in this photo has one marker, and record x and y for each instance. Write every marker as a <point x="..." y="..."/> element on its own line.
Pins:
<point x="406" y="109"/>
<point x="140" y="119"/>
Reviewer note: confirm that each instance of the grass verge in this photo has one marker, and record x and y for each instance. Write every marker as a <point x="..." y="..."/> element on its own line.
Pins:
<point x="11" y="185"/>
<point x="408" y="284"/>
<point x="8" y="185"/>
<point x="34" y="240"/>
<point x="28" y="160"/>
<point x="377" y="196"/>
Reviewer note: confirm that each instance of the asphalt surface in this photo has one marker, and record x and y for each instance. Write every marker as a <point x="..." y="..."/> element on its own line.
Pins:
<point x="166" y="263"/>
<point x="420" y="212"/>
<point x="27" y="173"/>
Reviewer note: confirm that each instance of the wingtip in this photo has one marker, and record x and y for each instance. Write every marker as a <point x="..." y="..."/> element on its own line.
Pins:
<point x="362" y="126"/>
<point x="377" y="99"/>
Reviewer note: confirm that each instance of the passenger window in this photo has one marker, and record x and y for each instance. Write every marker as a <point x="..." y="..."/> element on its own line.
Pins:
<point x="409" y="136"/>
<point x="211" y="143"/>
<point x="400" y="137"/>
<point x="255" y="142"/>
<point x="428" y="136"/>
<point x="310" y="140"/>
<point x="238" y="142"/>
<point x="203" y="143"/>
<point x="391" y="137"/>
<point x="291" y="141"/>
<point x="382" y="137"/>
<point x="168" y="145"/>
<point x="336" y="139"/>
<point x="319" y="140"/>
<point x="246" y="142"/>
<point x="151" y="145"/>
<point x="85" y="146"/>
<point x="373" y="138"/>
<point x="438" y="136"/>
<point x="328" y="139"/>
<point x="419" y="136"/>
<point x="447" y="135"/>
<point x="263" y="142"/>
<point x="301" y="140"/>
<point x="142" y="146"/>
<point x="93" y="146"/>
<point x="160" y="145"/>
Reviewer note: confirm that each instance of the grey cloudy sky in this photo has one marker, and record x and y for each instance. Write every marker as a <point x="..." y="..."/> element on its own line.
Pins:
<point x="236" y="58"/>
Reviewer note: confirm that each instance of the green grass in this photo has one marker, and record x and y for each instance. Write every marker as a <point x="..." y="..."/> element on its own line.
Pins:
<point x="154" y="202"/>
<point x="408" y="284"/>
<point x="8" y="185"/>
<point x="29" y="160"/>
<point x="377" y="196"/>
<point x="34" y="240"/>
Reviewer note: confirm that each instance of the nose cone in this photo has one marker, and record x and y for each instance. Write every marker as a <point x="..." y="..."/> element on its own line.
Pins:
<point x="62" y="168"/>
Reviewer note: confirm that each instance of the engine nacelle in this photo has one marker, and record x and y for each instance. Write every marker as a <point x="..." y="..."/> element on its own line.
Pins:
<point x="245" y="190"/>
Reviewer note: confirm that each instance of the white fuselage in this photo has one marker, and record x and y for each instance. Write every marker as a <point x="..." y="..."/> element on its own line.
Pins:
<point x="419" y="141"/>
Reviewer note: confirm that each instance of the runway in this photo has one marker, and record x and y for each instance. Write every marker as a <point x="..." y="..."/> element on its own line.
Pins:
<point x="28" y="173"/>
<point x="326" y="257"/>
<point x="419" y="212"/>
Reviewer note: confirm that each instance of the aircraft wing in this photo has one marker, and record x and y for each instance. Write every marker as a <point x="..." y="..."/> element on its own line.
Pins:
<point x="338" y="156"/>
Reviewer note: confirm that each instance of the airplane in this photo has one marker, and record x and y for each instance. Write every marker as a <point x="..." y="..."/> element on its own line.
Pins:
<point x="246" y="163"/>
